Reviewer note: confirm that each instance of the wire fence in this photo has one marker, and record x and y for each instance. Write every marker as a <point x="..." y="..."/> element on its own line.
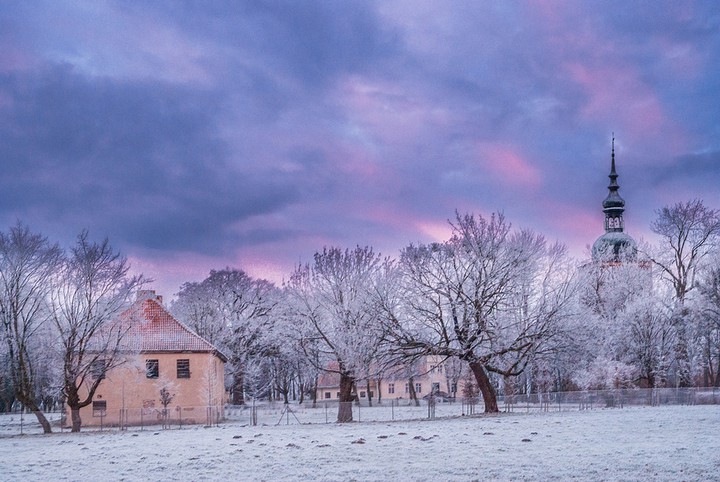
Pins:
<point x="277" y="413"/>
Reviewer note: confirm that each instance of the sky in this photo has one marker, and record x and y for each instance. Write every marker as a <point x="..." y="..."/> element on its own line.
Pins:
<point x="199" y="135"/>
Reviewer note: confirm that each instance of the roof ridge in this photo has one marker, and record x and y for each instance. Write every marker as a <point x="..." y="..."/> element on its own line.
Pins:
<point x="155" y="329"/>
<point x="185" y="327"/>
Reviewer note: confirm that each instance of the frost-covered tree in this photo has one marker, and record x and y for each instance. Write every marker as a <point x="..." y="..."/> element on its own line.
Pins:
<point x="708" y="327"/>
<point x="689" y="232"/>
<point x="489" y="295"/>
<point x="231" y="310"/>
<point x="91" y="287"/>
<point x="27" y="263"/>
<point x="611" y="331"/>
<point x="332" y="301"/>
<point x="649" y="337"/>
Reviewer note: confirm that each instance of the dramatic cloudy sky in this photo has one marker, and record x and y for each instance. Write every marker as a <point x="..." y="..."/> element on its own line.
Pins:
<point x="204" y="134"/>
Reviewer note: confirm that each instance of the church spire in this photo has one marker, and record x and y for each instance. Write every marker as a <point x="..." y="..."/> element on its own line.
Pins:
<point x="613" y="205"/>
<point x="613" y="173"/>
<point x="615" y="246"/>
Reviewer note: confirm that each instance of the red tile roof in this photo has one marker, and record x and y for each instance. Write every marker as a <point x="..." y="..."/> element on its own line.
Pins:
<point x="151" y="328"/>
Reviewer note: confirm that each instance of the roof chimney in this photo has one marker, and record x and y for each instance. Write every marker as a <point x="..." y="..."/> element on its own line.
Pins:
<point x="147" y="295"/>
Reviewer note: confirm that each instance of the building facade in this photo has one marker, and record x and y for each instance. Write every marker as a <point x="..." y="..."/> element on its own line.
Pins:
<point x="169" y="374"/>
<point x="430" y="375"/>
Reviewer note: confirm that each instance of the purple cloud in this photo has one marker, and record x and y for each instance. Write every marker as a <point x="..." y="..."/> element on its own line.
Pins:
<point x="199" y="135"/>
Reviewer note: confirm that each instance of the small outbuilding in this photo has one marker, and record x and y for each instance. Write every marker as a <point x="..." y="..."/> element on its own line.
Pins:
<point x="170" y="374"/>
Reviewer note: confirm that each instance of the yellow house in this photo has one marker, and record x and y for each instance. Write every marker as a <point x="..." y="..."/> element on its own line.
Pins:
<point x="430" y="375"/>
<point x="170" y="375"/>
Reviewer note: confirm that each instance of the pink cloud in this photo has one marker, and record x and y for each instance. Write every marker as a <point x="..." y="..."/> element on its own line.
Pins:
<point x="616" y="91"/>
<point x="382" y="113"/>
<point x="507" y="164"/>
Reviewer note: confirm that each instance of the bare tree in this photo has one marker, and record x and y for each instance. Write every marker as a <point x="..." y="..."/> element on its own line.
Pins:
<point x="489" y="296"/>
<point x="231" y="310"/>
<point x="688" y="232"/>
<point x="708" y="330"/>
<point x="27" y="263"/>
<point x="334" y="304"/>
<point x="626" y="324"/>
<point x="90" y="290"/>
<point x="649" y="337"/>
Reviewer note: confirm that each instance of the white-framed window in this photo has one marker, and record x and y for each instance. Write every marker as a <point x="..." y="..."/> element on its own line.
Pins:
<point x="418" y="388"/>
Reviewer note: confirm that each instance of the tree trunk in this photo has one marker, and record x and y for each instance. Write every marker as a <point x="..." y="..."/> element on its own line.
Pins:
<point x="32" y="406"/>
<point x="76" y="421"/>
<point x="411" y="389"/>
<point x="314" y="392"/>
<point x="485" y="386"/>
<point x="369" y="395"/>
<point x="238" y="397"/>
<point x="345" y="406"/>
<point x="378" y="384"/>
<point x="301" y="389"/>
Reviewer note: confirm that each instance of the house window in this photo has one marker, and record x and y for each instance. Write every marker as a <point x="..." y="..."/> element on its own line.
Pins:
<point x="391" y="388"/>
<point x="362" y="394"/>
<point x="183" y="368"/>
<point x="407" y="388"/>
<point x="435" y="387"/>
<point x="453" y="387"/>
<point x="99" y="408"/>
<point x="152" y="368"/>
<point x="371" y="394"/>
<point x="338" y="395"/>
<point x="418" y="388"/>
<point x="328" y="394"/>
<point x="98" y="368"/>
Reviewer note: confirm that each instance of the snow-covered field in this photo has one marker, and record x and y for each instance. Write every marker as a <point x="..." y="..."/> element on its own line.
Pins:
<point x="652" y="443"/>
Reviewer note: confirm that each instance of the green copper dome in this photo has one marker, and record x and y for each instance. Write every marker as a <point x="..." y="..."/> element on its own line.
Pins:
<point x="614" y="245"/>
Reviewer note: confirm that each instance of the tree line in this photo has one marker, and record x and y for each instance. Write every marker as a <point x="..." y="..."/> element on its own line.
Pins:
<point x="509" y="306"/>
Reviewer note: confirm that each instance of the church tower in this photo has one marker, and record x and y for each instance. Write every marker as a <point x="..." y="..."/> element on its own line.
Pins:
<point x="615" y="245"/>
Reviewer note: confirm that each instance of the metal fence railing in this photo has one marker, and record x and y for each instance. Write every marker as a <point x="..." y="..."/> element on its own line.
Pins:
<point x="589" y="399"/>
<point x="277" y="413"/>
<point x="24" y="422"/>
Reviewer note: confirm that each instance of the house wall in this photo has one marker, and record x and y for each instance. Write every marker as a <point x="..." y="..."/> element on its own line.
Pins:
<point x="131" y="398"/>
<point x="432" y="373"/>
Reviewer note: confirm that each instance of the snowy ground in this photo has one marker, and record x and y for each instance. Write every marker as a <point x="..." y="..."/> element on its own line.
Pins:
<point x="658" y="443"/>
